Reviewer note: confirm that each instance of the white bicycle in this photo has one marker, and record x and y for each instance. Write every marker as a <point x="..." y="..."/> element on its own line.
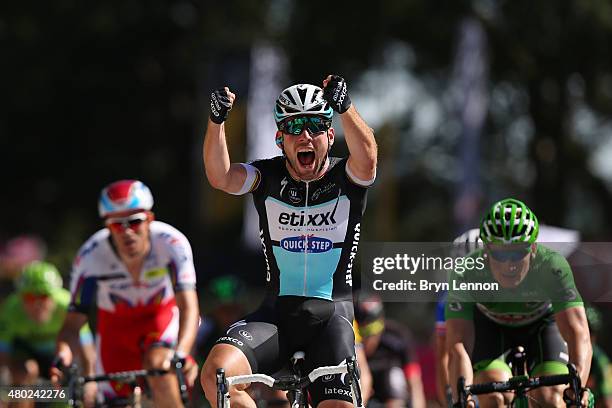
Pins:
<point x="295" y="384"/>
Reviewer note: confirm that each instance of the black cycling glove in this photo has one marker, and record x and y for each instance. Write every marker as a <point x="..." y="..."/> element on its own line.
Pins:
<point x="219" y="106"/>
<point x="336" y="95"/>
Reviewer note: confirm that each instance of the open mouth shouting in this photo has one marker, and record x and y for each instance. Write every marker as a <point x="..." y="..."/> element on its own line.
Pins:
<point x="306" y="158"/>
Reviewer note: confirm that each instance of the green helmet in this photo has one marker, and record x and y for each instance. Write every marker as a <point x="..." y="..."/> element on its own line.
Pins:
<point x="226" y="289"/>
<point x="40" y="278"/>
<point x="509" y="221"/>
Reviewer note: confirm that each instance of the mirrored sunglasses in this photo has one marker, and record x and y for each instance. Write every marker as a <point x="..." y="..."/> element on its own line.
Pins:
<point x="314" y="124"/>
<point x="132" y="221"/>
<point x="512" y="255"/>
<point x="34" y="297"/>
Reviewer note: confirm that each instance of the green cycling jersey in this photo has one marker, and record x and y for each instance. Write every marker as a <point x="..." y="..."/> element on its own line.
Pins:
<point x="15" y="325"/>
<point x="548" y="288"/>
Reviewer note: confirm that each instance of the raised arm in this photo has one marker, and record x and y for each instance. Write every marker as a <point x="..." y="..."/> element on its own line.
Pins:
<point x="221" y="173"/>
<point x="359" y="136"/>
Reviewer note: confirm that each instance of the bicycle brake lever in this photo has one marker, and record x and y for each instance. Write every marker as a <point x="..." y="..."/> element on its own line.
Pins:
<point x="353" y="376"/>
<point x="575" y="386"/>
<point x="461" y="394"/>
<point x="178" y="364"/>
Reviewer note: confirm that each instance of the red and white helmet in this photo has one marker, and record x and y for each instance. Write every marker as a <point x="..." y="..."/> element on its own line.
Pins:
<point x="124" y="195"/>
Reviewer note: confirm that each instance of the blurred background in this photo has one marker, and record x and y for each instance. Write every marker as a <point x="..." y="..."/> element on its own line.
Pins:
<point x="471" y="101"/>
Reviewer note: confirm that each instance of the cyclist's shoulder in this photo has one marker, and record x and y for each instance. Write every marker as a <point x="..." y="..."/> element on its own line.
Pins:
<point x="337" y="162"/>
<point x="94" y="244"/>
<point x="166" y="233"/>
<point x="546" y="254"/>
<point x="168" y="239"/>
<point x="276" y="163"/>
<point x="11" y="305"/>
<point x="549" y="260"/>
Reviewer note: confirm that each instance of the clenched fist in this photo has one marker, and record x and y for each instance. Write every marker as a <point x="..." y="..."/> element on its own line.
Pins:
<point x="221" y="101"/>
<point x="336" y="94"/>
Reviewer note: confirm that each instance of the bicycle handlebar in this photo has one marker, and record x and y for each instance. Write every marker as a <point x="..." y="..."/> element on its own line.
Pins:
<point x="524" y="383"/>
<point x="123" y="376"/>
<point x="74" y="380"/>
<point x="287" y="383"/>
<point x="518" y="382"/>
<point x="291" y="382"/>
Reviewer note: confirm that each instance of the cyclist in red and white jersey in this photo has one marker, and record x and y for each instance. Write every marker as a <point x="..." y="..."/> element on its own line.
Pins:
<point x="139" y="274"/>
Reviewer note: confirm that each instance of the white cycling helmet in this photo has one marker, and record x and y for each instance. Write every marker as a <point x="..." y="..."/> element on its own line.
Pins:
<point x="124" y="195"/>
<point x="301" y="99"/>
<point x="467" y="243"/>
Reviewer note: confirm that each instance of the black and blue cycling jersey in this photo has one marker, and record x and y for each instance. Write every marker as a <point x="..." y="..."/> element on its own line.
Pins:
<point x="309" y="230"/>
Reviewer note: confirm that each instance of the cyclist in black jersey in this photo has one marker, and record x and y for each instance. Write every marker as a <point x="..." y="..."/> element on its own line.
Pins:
<point x="310" y="208"/>
<point x="389" y="349"/>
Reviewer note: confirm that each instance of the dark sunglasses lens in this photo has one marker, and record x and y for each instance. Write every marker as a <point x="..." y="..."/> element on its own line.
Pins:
<point x="120" y="226"/>
<point x="512" y="256"/>
<point x="136" y="222"/>
<point x="313" y="124"/>
<point x="296" y="125"/>
<point x="316" y="125"/>
<point x="116" y="227"/>
<point x="294" y="128"/>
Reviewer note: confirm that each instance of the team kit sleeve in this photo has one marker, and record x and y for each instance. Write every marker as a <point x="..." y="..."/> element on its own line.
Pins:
<point x="355" y="180"/>
<point x="83" y="287"/>
<point x="181" y="262"/>
<point x="565" y="293"/>
<point x="252" y="180"/>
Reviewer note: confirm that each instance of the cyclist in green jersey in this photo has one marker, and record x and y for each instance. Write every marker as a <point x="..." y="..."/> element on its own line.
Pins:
<point x="30" y="320"/>
<point x="535" y="306"/>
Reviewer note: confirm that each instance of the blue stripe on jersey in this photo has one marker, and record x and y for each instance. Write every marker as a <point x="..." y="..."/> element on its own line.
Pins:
<point x="320" y="270"/>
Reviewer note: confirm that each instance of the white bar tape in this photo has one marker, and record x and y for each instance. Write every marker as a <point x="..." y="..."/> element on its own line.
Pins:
<point x="322" y="371"/>
<point x="250" y="378"/>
